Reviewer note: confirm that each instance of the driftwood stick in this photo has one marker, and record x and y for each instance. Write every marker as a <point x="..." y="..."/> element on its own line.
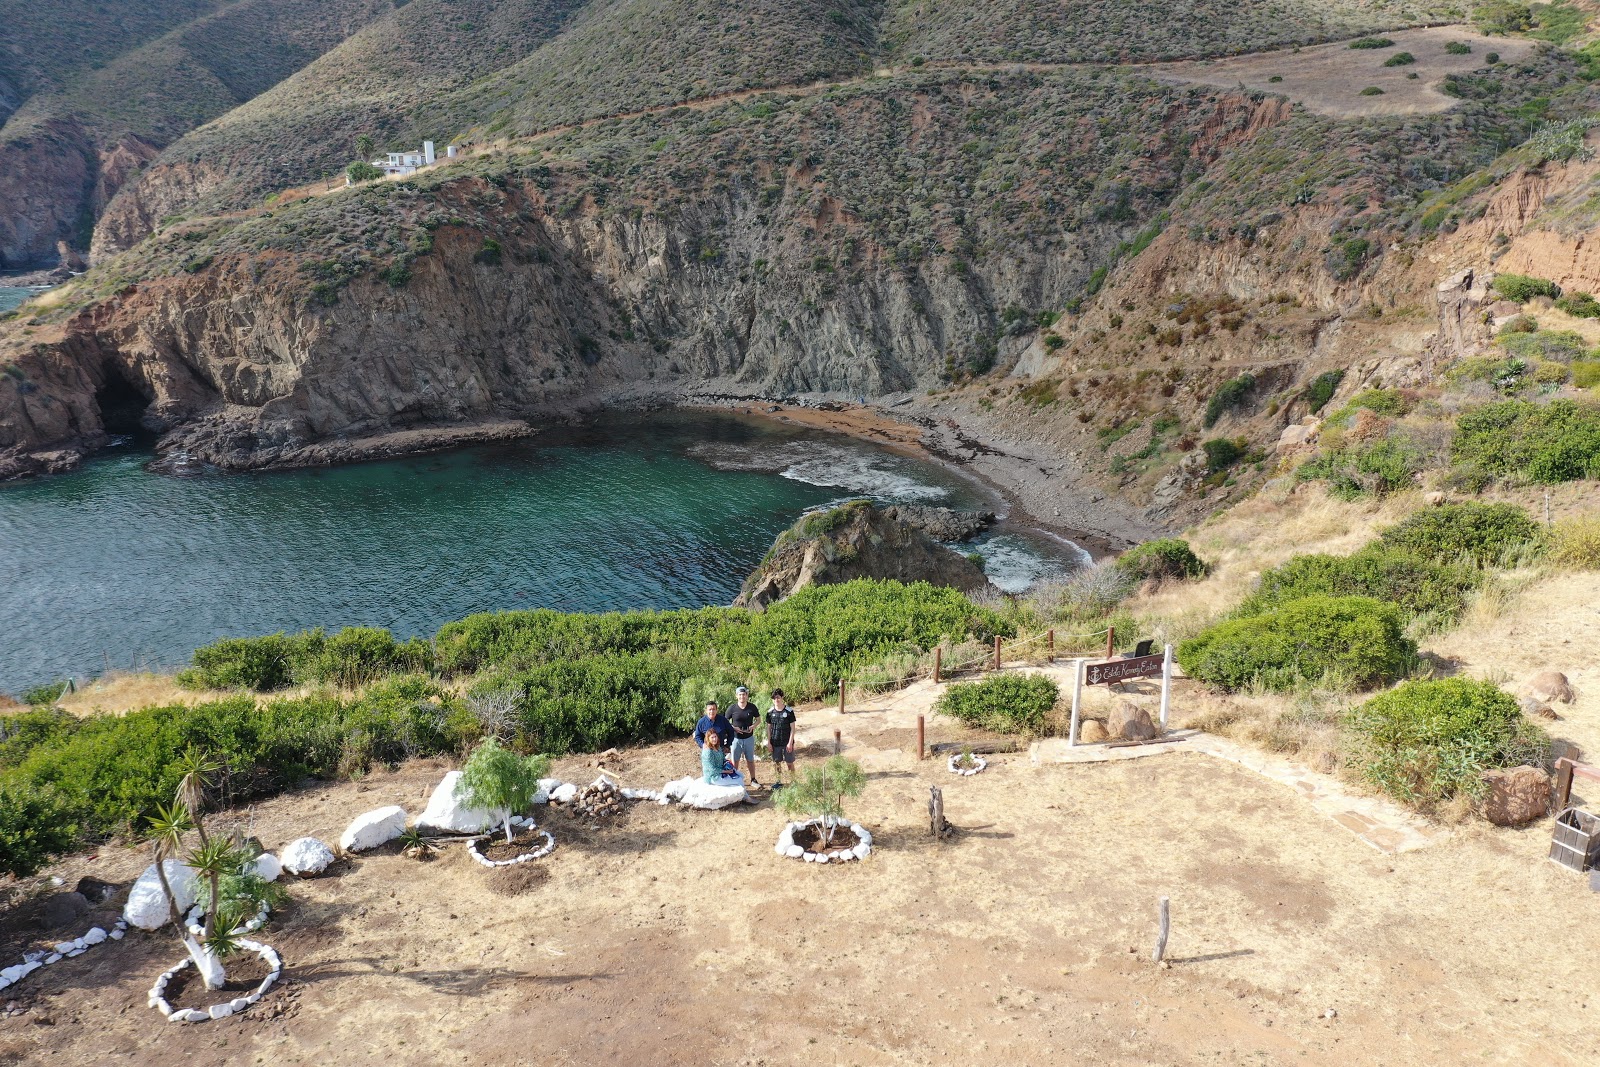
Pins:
<point x="983" y="748"/>
<point x="1161" y="937"/>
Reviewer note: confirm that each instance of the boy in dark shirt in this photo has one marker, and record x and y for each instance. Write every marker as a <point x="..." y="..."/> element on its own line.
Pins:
<point x="780" y="737"/>
<point x="743" y="718"/>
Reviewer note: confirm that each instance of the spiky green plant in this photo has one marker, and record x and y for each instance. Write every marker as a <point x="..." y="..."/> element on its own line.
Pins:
<point x="819" y="791"/>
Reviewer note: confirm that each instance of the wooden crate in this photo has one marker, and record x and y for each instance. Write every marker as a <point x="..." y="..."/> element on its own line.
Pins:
<point x="1575" y="841"/>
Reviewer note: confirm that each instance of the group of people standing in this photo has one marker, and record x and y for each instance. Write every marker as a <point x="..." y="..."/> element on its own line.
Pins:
<point x="727" y="738"/>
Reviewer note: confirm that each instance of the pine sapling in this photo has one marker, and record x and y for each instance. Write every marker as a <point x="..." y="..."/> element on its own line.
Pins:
<point x="500" y="781"/>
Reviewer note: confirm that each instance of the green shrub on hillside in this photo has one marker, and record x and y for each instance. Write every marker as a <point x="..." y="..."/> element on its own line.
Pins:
<point x="1428" y="741"/>
<point x="44" y="694"/>
<point x="1563" y="345"/>
<point x="595" y="703"/>
<point x="1585" y="373"/>
<point x="1164" y="559"/>
<point x="1522" y="288"/>
<point x="1417" y="585"/>
<point x="357" y="655"/>
<point x="1322" y="388"/>
<point x="1374" y="467"/>
<point x="260" y="664"/>
<point x="21" y="733"/>
<point x="1457" y="48"/>
<point x="1400" y="59"/>
<point x="517" y="639"/>
<point x="1372" y="42"/>
<point x="1353" y="641"/>
<point x="1527" y="442"/>
<point x="1575" y="544"/>
<point x="35" y="824"/>
<point x="1580" y="305"/>
<point x="1483" y="533"/>
<point x="1230" y="395"/>
<point x="1502" y="16"/>
<point x="362" y="171"/>
<point x="1008" y="703"/>
<point x="1222" y="453"/>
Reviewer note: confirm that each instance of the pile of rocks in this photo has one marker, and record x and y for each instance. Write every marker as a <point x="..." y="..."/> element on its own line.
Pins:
<point x="600" y="798"/>
<point x="158" y="992"/>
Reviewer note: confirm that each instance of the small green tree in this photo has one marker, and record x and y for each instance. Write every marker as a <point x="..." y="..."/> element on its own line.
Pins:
<point x="820" y="791"/>
<point x="500" y="781"/>
<point x="365" y="147"/>
<point x="362" y="171"/>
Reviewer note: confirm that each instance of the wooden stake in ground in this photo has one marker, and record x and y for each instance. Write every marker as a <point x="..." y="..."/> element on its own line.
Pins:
<point x="1161" y="937"/>
<point x="937" y="827"/>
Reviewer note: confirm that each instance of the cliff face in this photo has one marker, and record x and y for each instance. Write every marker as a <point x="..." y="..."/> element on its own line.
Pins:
<point x="856" y="540"/>
<point x="46" y="179"/>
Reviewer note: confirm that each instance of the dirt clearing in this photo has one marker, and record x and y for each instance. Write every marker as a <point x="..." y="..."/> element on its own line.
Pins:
<point x="667" y="936"/>
<point x="1328" y="79"/>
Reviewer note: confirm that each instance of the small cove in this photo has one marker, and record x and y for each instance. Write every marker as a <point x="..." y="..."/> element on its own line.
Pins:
<point x="115" y="568"/>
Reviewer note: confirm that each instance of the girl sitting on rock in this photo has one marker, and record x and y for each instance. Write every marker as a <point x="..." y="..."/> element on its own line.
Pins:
<point x="714" y="766"/>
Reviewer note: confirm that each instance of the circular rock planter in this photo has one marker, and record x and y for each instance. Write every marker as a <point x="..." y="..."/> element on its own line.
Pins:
<point x="548" y="847"/>
<point x="792" y="842"/>
<point x="158" y="992"/>
<point x="978" y="763"/>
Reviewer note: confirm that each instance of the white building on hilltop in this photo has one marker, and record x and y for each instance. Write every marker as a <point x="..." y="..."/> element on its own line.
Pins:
<point x="412" y="161"/>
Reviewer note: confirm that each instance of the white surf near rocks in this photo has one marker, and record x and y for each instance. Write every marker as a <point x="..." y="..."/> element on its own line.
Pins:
<point x="305" y="856"/>
<point x="147" y="903"/>
<point x="446" y="813"/>
<point x="698" y="793"/>
<point x="373" y="828"/>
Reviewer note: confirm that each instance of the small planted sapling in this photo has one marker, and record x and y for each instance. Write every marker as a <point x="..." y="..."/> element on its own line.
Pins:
<point x="819" y="792"/>
<point x="500" y="781"/>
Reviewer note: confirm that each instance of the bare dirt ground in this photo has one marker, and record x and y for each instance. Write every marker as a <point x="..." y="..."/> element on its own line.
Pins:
<point x="1328" y="79"/>
<point x="678" y="936"/>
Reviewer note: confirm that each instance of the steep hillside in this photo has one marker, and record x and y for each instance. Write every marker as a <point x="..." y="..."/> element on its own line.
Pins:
<point x="93" y="114"/>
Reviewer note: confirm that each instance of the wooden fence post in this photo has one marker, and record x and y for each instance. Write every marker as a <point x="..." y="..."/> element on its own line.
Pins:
<point x="935" y="813"/>
<point x="1111" y="641"/>
<point x="997" y="640"/>
<point x="1563" y="792"/>
<point x="841" y="696"/>
<point x="1050" y="640"/>
<point x="1161" y="937"/>
<point x="938" y="657"/>
<point x="922" y="747"/>
<point x="1166" y="685"/>
<point x="837" y="742"/>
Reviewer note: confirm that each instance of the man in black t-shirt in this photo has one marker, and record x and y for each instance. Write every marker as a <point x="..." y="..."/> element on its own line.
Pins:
<point x="780" y="737"/>
<point x="743" y="717"/>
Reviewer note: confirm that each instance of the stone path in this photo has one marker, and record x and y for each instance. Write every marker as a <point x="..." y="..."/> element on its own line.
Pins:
<point x="1385" y="826"/>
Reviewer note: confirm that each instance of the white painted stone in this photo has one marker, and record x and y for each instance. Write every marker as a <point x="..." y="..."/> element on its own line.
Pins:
<point x="147" y="903"/>
<point x="67" y="946"/>
<point x="822" y="857"/>
<point x="239" y="1003"/>
<point x="305" y="856"/>
<point x="54" y="957"/>
<point x="861" y="851"/>
<point x="446" y="813"/>
<point x="794" y="852"/>
<point x="117" y="934"/>
<point x="180" y="1016"/>
<point x="809" y="857"/>
<point x="268" y="867"/>
<point x="373" y="828"/>
<point x="220" y="1011"/>
<point x="16" y="971"/>
<point x="74" y="952"/>
<point x="93" y="937"/>
<point x="565" y="793"/>
<point x="696" y="792"/>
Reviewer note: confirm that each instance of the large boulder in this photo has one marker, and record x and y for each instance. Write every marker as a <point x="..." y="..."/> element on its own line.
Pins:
<point x="1092" y="732"/>
<point x="147" y="902"/>
<point x="374" y="828"/>
<point x="1550" y="687"/>
<point x="447" y="814"/>
<point x="1129" y="722"/>
<point x="696" y="792"/>
<point x="1516" y="796"/>
<point x="305" y="856"/>
<point x="268" y="867"/>
<point x="63" y="909"/>
<point x="855" y="540"/>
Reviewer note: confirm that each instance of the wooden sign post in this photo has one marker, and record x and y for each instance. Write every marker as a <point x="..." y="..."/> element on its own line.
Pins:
<point x="1106" y="672"/>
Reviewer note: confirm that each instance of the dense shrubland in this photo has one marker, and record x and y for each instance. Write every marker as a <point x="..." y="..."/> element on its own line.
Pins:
<point x="1006" y="702"/>
<point x="543" y="681"/>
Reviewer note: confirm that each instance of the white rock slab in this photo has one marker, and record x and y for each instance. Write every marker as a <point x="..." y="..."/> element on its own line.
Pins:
<point x="147" y="903"/>
<point x="696" y="792"/>
<point x="565" y="793"/>
<point x="446" y="813"/>
<point x="305" y="856"/>
<point x="373" y="828"/>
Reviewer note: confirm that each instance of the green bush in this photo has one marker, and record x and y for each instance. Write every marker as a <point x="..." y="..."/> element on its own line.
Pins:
<point x="1523" y="441"/>
<point x="260" y="664"/>
<point x="1563" y="345"/>
<point x="361" y="171"/>
<point x="34" y="825"/>
<point x="1008" y="703"/>
<point x="1377" y="468"/>
<point x="1575" y="544"/>
<point x="1586" y="373"/>
<point x="1230" y="394"/>
<point x="1457" y="48"/>
<point x="357" y="655"/>
<point x="1400" y="59"/>
<point x="1580" y="305"/>
<point x="1165" y="559"/>
<point x="1483" y="533"/>
<point x="586" y="705"/>
<point x="42" y="724"/>
<point x="1322" y="388"/>
<point x="1428" y="741"/>
<point x="1522" y="288"/>
<point x="1221" y="453"/>
<point x="1371" y="90"/>
<point x="1417" y="585"/>
<point x="1353" y="641"/>
<point x="45" y="694"/>
<point x="1502" y="16"/>
<point x="1372" y="42"/>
